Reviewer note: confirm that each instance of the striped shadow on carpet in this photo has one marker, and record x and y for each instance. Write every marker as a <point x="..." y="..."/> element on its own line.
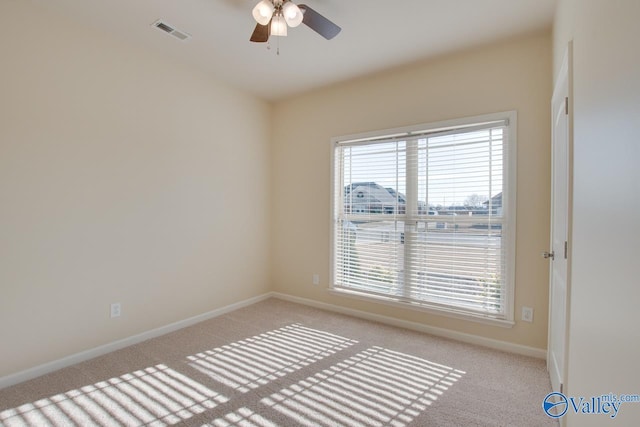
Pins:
<point x="282" y="364"/>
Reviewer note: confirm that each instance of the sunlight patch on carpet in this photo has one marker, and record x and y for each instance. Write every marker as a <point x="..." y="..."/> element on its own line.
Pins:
<point x="155" y="396"/>
<point x="244" y="417"/>
<point x="253" y="362"/>
<point x="375" y="388"/>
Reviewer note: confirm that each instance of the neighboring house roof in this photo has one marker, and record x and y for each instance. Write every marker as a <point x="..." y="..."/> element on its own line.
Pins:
<point x="495" y="200"/>
<point x="368" y="192"/>
<point x="401" y="197"/>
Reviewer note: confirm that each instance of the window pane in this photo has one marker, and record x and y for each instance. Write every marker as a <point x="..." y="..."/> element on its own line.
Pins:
<point x="462" y="173"/>
<point x="457" y="264"/>
<point x="374" y="178"/>
<point x="421" y="220"/>
<point x="369" y="254"/>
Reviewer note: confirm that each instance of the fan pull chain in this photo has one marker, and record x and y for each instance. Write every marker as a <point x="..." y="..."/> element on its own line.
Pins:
<point x="268" y="45"/>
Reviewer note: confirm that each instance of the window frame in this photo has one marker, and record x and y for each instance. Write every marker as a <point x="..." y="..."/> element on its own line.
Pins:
<point x="509" y="211"/>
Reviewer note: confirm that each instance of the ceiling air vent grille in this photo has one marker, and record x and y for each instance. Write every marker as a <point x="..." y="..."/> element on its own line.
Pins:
<point x="169" y="29"/>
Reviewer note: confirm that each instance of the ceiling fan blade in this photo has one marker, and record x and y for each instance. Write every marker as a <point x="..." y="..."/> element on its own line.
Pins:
<point x="319" y="23"/>
<point x="261" y="33"/>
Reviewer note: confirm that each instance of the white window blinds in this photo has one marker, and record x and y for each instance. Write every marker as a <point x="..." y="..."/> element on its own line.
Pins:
<point x="422" y="218"/>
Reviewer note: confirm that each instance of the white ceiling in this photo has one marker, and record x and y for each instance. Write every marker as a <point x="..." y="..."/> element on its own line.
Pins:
<point x="376" y="35"/>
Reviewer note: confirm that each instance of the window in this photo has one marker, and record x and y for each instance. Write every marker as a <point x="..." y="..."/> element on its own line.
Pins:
<point x="425" y="217"/>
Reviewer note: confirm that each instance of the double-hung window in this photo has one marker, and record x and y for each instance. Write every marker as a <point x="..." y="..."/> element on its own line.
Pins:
<point x="424" y="216"/>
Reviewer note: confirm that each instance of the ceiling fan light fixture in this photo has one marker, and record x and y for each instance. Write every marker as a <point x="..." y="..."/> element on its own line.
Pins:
<point x="292" y="14"/>
<point x="275" y="16"/>
<point x="263" y="12"/>
<point x="278" y="26"/>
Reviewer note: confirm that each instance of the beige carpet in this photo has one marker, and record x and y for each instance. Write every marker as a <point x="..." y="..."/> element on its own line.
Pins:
<point x="281" y="364"/>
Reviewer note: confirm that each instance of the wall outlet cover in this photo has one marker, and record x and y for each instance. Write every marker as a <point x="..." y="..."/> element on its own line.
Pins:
<point x="116" y="310"/>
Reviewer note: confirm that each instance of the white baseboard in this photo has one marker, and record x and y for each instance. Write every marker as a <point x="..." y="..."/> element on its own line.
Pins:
<point x="55" y="365"/>
<point x="538" y="353"/>
<point x="49" y="367"/>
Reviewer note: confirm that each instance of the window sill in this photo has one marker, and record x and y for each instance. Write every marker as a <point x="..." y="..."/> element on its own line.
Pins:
<point x="425" y="308"/>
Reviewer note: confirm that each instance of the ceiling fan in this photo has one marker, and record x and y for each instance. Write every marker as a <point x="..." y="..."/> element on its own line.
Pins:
<point x="274" y="16"/>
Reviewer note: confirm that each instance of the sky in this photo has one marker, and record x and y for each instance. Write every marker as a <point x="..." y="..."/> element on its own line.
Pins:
<point x="449" y="168"/>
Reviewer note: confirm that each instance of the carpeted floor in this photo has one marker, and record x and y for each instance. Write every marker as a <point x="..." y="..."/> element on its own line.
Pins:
<point x="281" y="364"/>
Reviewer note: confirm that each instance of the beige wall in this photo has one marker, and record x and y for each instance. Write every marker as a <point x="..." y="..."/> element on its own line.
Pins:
<point x="128" y="178"/>
<point x="514" y="75"/>
<point x="123" y="177"/>
<point x="604" y="343"/>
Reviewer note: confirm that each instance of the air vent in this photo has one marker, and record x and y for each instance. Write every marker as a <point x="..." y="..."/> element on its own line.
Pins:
<point x="169" y="29"/>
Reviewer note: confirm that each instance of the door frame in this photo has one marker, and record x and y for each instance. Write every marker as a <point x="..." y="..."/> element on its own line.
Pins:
<point x="565" y="73"/>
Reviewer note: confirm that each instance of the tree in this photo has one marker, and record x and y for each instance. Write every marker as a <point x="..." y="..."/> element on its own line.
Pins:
<point x="475" y="200"/>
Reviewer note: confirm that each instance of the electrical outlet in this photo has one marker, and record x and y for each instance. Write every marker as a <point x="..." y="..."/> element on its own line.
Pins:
<point x="116" y="310"/>
<point x="316" y="279"/>
<point x="527" y="314"/>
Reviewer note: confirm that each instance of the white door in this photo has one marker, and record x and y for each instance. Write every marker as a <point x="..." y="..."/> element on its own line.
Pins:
<point x="560" y="222"/>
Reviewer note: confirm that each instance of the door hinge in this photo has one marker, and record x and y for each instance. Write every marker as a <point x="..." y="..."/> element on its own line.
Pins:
<point x="566" y="105"/>
<point x="566" y="249"/>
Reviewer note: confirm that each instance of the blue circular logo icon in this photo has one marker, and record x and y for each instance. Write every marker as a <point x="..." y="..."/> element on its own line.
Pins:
<point x="555" y="405"/>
